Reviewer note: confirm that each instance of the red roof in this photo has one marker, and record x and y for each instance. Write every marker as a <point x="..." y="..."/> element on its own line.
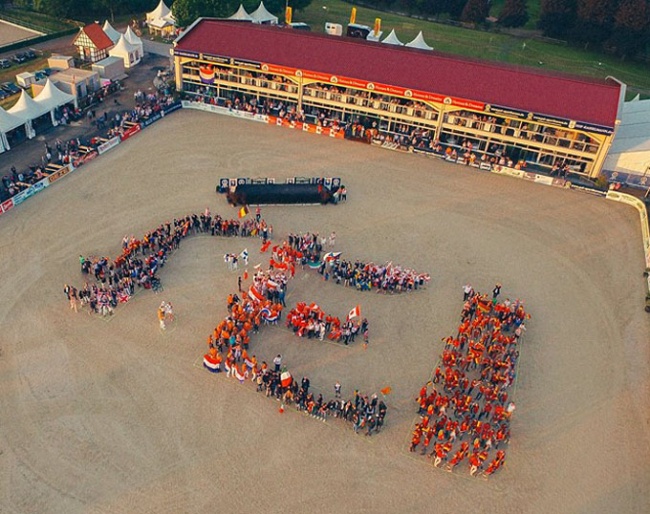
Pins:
<point x="527" y="89"/>
<point x="97" y="35"/>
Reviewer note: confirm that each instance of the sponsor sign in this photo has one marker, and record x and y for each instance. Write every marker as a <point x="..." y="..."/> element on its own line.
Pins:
<point x="246" y="64"/>
<point x="151" y="119"/>
<point x="84" y="159"/>
<point x="111" y="143"/>
<point x="184" y="53"/>
<point x="59" y="173"/>
<point x="215" y="58"/>
<point x="130" y="132"/>
<point x="172" y="107"/>
<point x="6" y="205"/>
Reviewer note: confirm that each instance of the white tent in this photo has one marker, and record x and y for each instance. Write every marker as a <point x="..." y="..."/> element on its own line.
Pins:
<point x="161" y="11"/>
<point x="262" y="15"/>
<point x="630" y="151"/>
<point x="27" y="109"/>
<point x="132" y="38"/>
<point x="127" y="51"/>
<point x="52" y="97"/>
<point x="241" y="14"/>
<point x="392" y="39"/>
<point x="8" y="122"/>
<point x="112" y="34"/>
<point x="161" y="19"/>
<point x="419" y="42"/>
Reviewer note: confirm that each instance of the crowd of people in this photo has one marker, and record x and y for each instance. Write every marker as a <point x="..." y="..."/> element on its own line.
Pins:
<point x="385" y="278"/>
<point x="312" y="322"/>
<point x="117" y="280"/>
<point x="228" y="345"/>
<point x="465" y="410"/>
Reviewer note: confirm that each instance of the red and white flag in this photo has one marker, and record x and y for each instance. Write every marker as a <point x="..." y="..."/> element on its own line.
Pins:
<point x="354" y="313"/>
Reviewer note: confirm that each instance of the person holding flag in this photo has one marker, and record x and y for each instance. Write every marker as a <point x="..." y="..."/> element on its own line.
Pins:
<point x="354" y="313"/>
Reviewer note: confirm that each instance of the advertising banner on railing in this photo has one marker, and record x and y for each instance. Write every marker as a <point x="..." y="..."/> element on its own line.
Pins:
<point x="59" y="173"/>
<point x="307" y="127"/>
<point x="111" y="143"/>
<point x="224" y="110"/>
<point x="151" y="119"/>
<point x="6" y="206"/>
<point x="80" y="161"/>
<point x="171" y="107"/>
<point x="131" y="131"/>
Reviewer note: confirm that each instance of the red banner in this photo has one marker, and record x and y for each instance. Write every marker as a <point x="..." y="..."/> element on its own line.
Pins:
<point x="131" y="131"/>
<point x="307" y="127"/>
<point x="6" y="205"/>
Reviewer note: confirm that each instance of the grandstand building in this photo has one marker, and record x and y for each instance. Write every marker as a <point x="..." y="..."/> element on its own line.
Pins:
<point x="406" y="97"/>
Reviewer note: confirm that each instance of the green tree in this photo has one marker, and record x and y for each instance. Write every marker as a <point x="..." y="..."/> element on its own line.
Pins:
<point x="631" y="31"/>
<point x="299" y="5"/>
<point x="557" y="18"/>
<point x="514" y="13"/>
<point x="595" y="20"/>
<point x="475" y="11"/>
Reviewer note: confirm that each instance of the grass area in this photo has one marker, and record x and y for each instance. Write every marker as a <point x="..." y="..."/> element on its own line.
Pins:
<point x="36" y="21"/>
<point x="9" y="75"/>
<point x="490" y="46"/>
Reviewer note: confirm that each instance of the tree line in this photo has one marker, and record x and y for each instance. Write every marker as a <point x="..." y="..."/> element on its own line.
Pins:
<point x="621" y="27"/>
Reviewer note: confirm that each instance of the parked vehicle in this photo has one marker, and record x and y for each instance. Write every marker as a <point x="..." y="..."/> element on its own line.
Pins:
<point x="10" y="88"/>
<point x="19" y="58"/>
<point x="30" y="54"/>
<point x="5" y="63"/>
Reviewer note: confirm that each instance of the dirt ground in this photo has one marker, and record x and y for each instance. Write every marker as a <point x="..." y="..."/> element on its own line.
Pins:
<point x="11" y="33"/>
<point x="115" y="416"/>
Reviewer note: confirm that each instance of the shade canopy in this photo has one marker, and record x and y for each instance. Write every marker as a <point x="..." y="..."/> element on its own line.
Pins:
<point x="262" y="15"/>
<point x="52" y="97"/>
<point x="113" y="34"/>
<point x="241" y="14"/>
<point x="392" y="39"/>
<point x="9" y="121"/>
<point x="419" y="42"/>
<point x="27" y="108"/>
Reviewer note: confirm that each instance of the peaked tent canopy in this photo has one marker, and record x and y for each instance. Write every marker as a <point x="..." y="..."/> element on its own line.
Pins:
<point x="262" y="15"/>
<point x="52" y="97"/>
<point x="392" y="39"/>
<point x="132" y="38"/>
<point x="9" y="121"/>
<point x="161" y="11"/>
<point x="419" y="42"/>
<point x="126" y="51"/>
<point x="27" y="108"/>
<point x="113" y="34"/>
<point x="241" y="14"/>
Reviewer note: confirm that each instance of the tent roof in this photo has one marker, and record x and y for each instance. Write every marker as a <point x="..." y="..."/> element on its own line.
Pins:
<point x="543" y="92"/>
<point x="161" y="22"/>
<point x="131" y="37"/>
<point x="96" y="35"/>
<point x="392" y="39"/>
<point x="261" y="15"/>
<point x="122" y="46"/>
<point x="419" y="42"/>
<point x="51" y="96"/>
<point x="113" y="34"/>
<point x="633" y="134"/>
<point x="27" y="108"/>
<point x="241" y="14"/>
<point x="161" y="11"/>
<point x="9" y="121"/>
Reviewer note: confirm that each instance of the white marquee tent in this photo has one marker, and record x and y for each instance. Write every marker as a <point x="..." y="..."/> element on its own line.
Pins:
<point x="8" y="122"/>
<point x="126" y="51"/>
<point x="262" y="15"/>
<point x="112" y="34"/>
<point x="51" y="97"/>
<point x="241" y="14"/>
<point x="392" y="39"/>
<point x="630" y="151"/>
<point x="132" y="38"/>
<point x="28" y="109"/>
<point x="419" y="42"/>
<point x="161" y="19"/>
